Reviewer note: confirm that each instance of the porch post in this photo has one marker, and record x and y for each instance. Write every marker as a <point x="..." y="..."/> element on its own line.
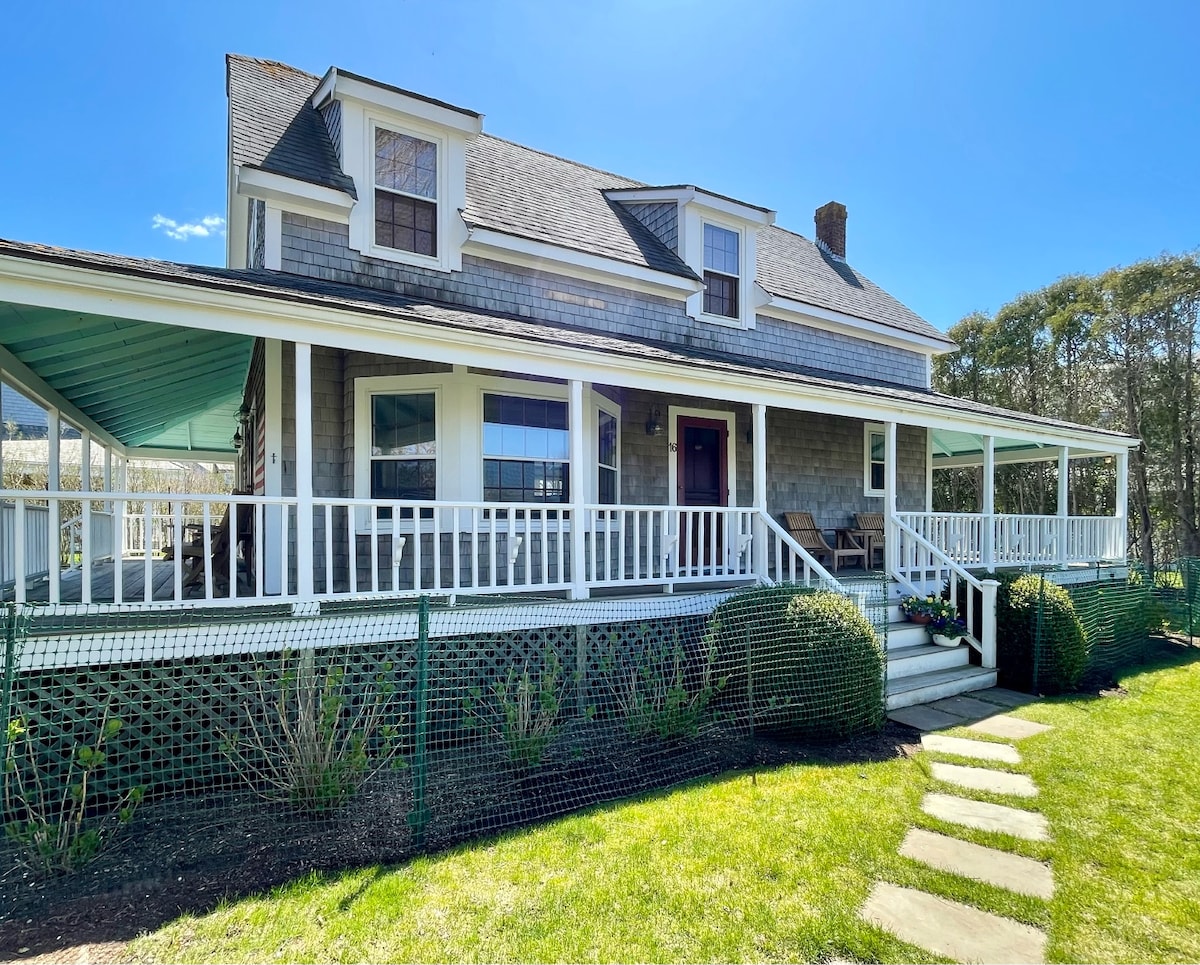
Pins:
<point x="988" y="558"/>
<point x="85" y="461"/>
<point x="53" y="482"/>
<point x="891" y="542"/>
<point x="304" y="472"/>
<point x="274" y="567"/>
<point x="1121" y="464"/>
<point x="759" y="527"/>
<point x="579" y="587"/>
<point x="1064" y="469"/>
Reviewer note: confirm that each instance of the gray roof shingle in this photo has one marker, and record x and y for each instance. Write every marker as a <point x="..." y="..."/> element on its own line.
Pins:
<point x="530" y="194"/>
<point x="384" y="304"/>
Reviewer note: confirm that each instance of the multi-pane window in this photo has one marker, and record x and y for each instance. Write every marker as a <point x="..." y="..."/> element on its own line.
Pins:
<point x="875" y="452"/>
<point x="606" y="458"/>
<point x="526" y="450"/>
<point x="403" y="447"/>
<point x="722" y="266"/>
<point x="405" y="193"/>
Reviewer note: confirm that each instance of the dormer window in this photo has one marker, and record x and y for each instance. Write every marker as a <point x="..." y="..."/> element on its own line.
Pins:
<point x="406" y="190"/>
<point x="722" y="267"/>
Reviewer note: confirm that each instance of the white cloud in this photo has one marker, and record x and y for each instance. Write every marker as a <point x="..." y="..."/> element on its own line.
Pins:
<point x="204" y="228"/>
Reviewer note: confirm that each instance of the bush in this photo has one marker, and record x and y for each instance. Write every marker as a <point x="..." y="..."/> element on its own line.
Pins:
<point x="798" y="662"/>
<point x="662" y="691"/>
<point x="1062" y="657"/>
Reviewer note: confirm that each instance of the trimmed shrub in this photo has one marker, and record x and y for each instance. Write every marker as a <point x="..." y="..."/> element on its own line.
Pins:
<point x="798" y="662"/>
<point x="1059" y="662"/>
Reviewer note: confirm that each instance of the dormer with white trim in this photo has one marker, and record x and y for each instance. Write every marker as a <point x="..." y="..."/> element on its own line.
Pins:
<point x="716" y="237"/>
<point x="407" y="156"/>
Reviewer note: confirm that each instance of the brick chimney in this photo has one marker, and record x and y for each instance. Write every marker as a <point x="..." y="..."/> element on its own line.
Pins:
<point x="831" y="228"/>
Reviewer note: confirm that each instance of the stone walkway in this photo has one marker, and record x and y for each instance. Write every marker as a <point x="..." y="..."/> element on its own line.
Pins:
<point x="947" y="927"/>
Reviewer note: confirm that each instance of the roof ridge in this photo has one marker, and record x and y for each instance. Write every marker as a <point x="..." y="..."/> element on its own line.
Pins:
<point x="268" y="62"/>
<point x="565" y="160"/>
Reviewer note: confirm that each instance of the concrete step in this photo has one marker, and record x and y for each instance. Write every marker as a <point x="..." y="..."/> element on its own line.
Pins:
<point x="924" y="658"/>
<point x="926" y="687"/>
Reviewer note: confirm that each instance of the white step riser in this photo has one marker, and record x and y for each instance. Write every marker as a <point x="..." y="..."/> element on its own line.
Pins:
<point x="906" y="635"/>
<point x="944" y="658"/>
<point x="948" y="688"/>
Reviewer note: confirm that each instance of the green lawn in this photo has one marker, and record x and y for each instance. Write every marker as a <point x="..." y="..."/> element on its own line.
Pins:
<point x="775" y="868"/>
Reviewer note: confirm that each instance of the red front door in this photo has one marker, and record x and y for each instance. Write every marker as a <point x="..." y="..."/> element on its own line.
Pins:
<point x="703" y="480"/>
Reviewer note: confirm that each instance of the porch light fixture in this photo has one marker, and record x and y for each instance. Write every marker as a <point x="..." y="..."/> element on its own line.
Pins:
<point x="237" y="438"/>
<point x="654" y="424"/>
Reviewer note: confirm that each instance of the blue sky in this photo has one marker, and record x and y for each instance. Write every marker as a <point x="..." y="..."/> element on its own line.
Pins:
<point x="982" y="148"/>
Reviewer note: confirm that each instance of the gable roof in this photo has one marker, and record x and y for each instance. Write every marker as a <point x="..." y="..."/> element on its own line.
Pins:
<point x="530" y="194"/>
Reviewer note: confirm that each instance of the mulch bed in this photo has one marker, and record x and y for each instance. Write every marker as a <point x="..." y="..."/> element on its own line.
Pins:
<point x="186" y="856"/>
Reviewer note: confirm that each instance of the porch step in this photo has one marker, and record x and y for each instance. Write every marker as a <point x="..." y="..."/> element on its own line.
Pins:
<point x="902" y="634"/>
<point x="936" y="684"/>
<point x="924" y="658"/>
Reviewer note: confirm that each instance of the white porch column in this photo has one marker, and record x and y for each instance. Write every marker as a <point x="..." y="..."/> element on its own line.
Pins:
<point x="989" y="503"/>
<point x="53" y="483"/>
<point x="268" y="541"/>
<point x="891" y="542"/>
<point x="1064" y="477"/>
<point x="759" y="530"/>
<point x="85" y="461"/>
<point x="304" y="472"/>
<point x="1121" y="537"/>
<point x="579" y="587"/>
<point x="929" y="470"/>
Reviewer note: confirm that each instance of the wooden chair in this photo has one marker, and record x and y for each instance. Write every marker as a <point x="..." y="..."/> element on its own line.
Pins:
<point x="222" y="545"/>
<point x="870" y="531"/>
<point x="803" y="530"/>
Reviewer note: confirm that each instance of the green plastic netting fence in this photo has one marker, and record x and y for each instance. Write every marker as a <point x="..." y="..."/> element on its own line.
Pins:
<point x="408" y="725"/>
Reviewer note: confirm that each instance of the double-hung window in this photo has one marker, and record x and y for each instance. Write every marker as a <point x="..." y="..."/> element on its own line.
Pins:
<point x="874" y="466"/>
<point x="526" y="450"/>
<point x="722" y="268"/>
<point x="406" y="193"/>
<point x="608" y="489"/>
<point x="403" y="447"/>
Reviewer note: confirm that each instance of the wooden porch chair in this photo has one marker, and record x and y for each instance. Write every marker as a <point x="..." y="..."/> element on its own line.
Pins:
<point x="803" y="530"/>
<point x="870" y="531"/>
<point x="222" y="545"/>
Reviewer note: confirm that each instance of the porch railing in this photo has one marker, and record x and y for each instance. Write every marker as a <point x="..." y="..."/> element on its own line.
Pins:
<point x="917" y="561"/>
<point x="976" y="540"/>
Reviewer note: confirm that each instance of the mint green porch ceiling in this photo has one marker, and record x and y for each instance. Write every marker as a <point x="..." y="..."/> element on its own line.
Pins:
<point x="149" y="384"/>
<point x="948" y="443"/>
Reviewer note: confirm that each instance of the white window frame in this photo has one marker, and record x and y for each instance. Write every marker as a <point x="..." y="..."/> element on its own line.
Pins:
<point x="399" y="254"/>
<point x="602" y="404"/>
<point x="364" y="390"/>
<point x="734" y="320"/>
<point x="869" y="429"/>
<point x="512" y="389"/>
<point x="458" y="420"/>
<point x="437" y="202"/>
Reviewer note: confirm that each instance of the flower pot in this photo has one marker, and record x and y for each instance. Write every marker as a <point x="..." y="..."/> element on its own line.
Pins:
<point x="921" y="618"/>
<point x="943" y="641"/>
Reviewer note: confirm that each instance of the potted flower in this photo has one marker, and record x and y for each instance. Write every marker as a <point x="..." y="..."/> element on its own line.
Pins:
<point x="924" y="609"/>
<point x="947" y="631"/>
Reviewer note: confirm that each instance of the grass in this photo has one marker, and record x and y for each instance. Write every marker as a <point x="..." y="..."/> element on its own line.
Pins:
<point x="774" y="867"/>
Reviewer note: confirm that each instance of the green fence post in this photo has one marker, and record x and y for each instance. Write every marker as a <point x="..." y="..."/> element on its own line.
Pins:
<point x="418" y="818"/>
<point x="10" y="661"/>
<point x="1039" y="629"/>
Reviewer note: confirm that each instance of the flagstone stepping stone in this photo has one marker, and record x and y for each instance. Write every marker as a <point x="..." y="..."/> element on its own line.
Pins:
<point x="1005" y="698"/>
<point x="1011" y="871"/>
<point x="987" y="817"/>
<point x="964" y="706"/>
<point x="923" y="718"/>
<point x="982" y="779"/>
<point x="948" y="928"/>
<point x="1001" y="725"/>
<point x="982" y="750"/>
